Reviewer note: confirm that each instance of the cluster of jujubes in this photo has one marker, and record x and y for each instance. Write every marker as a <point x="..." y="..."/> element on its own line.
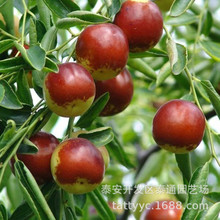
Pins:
<point x="101" y="55"/>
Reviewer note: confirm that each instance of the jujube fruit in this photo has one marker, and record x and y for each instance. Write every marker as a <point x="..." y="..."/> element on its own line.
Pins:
<point x="178" y="126"/>
<point x="163" y="210"/>
<point x="120" y="91"/>
<point x="149" y="195"/>
<point x="142" y="23"/>
<point x="39" y="163"/>
<point x="77" y="166"/>
<point x="71" y="91"/>
<point x="103" y="50"/>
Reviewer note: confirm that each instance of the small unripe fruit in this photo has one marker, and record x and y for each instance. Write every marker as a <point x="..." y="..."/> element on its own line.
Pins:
<point x="77" y="166"/>
<point x="103" y="50"/>
<point x="178" y="126"/>
<point x="142" y="23"/>
<point x="120" y="91"/>
<point x="163" y="210"/>
<point x="71" y="91"/>
<point x="39" y="163"/>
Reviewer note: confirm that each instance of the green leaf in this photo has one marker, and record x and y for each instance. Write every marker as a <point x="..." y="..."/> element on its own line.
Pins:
<point x="5" y="182"/>
<point x="14" y="194"/>
<point x="24" y="212"/>
<point x="201" y="215"/>
<point x="184" y="19"/>
<point x="35" y="55"/>
<point x="89" y="16"/>
<point x="32" y="32"/>
<point x="23" y="90"/>
<point x="99" y="137"/>
<point x="69" y="214"/>
<point x="207" y="23"/>
<point x="50" y="66"/>
<point x="37" y="79"/>
<point x="3" y="211"/>
<point x="5" y="45"/>
<point x="179" y="7"/>
<point x="27" y="147"/>
<point x="154" y="52"/>
<point x="55" y="203"/>
<point x="80" y="200"/>
<point x="213" y="196"/>
<point x="178" y="56"/>
<point x="143" y="67"/>
<point x="151" y="167"/>
<point x="213" y="212"/>
<point x="199" y="178"/>
<point x="2" y="2"/>
<point x="164" y="72"/>
<point x="113" y="6"/>
<point x="7" y="12"/>
<point x="101" y="205"/>
<point x="184" y="164"/>
<point x="88" y="117"/>
<point x="10" y="149"/>
<point x="32" y="192"/>
<point x="49" y="40"/>
<point x="212" y="49"/>
<point x="116" y="149"/>
<point x="61" y="7"/>
<point x="69" y="207"/>
<point x="8" y="133"/>
<point x="12" y="64"/>
<point x="44" y="13"/>
<point x="213" y="95"/>
<point x="9" y="100"/>
<point x="2" y="92"/>
<point x="17" y="115"/>
<point x="66" y="23"/>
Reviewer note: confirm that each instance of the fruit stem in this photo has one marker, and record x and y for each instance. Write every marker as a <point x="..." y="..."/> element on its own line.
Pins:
<point x="167" y="32"/>
<point x="61" y="46"/>
<point x="199" y="29"/>
<point x="70" y="127"/>
<point x="7" y="34"/>
<point x="190" y="77"/>
<point x="211" y="143"/>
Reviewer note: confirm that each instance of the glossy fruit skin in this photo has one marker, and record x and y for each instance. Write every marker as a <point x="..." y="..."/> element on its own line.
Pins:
<point x="105" y="155"/>
<point x="39" y="163"/>
<point x="120" y="90"/>
<point x="146" y="197"/>
<point x="71" y="91"/>
<point x="103" y="50"/>
<point x="161" y="210"/>
<point x="178" y="126"/>
<point x="142" y="23"/>
<point x="77" y="166"/>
